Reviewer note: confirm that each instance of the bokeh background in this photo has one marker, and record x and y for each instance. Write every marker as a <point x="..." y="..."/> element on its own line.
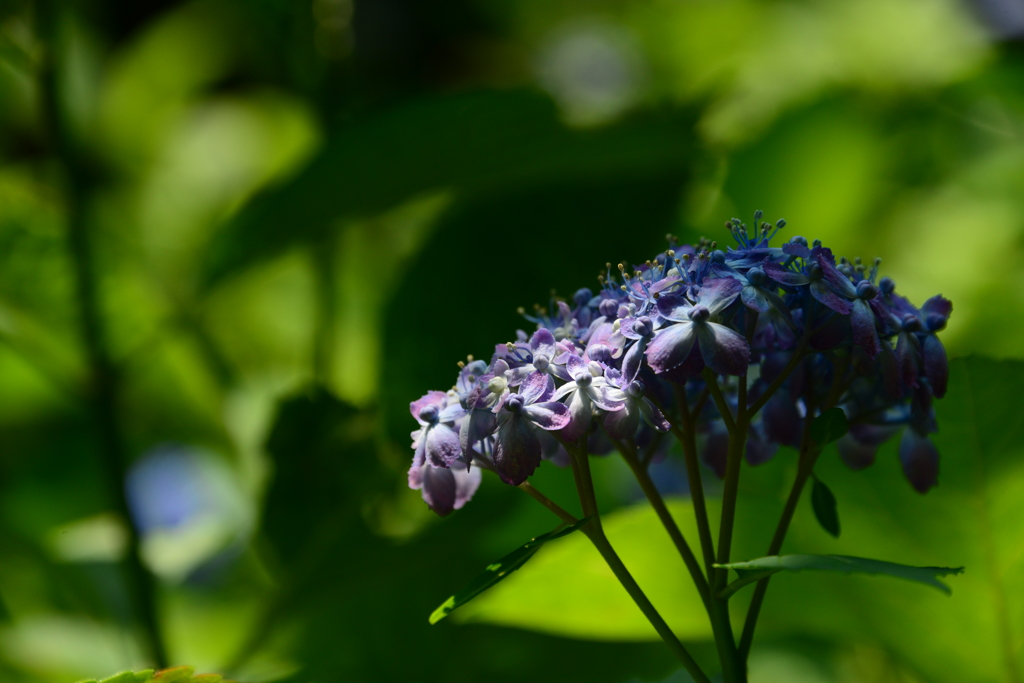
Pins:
<point x="238" y="237"/>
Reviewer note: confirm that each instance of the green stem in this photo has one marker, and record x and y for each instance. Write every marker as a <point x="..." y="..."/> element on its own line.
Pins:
<point x="688" y="439"/>
<point x="548" y="503"/>
<point x="653" y="495"/>
<point x="104" y="388"/>
<point x="595" y="532"/>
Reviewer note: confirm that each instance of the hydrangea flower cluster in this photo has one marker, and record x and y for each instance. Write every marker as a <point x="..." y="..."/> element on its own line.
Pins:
<point x="805" y="331"/>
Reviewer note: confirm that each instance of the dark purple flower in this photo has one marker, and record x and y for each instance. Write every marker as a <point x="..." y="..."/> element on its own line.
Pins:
<point x="435" y="441"/>
<point x="826" y="283"/>
<point x="920" y="460"/>
<point x="723" y="349"/>
<point x="587" y="391"/>
<point x="623" y="424"/>
<point x="517" y="451"/>
<point x="444" y="490"/>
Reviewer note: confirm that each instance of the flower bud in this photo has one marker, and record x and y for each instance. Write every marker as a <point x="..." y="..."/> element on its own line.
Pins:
<point x="582" y="296"/>
<point x="756" y="276"/>
<point x="608" y="307"/>
<point x="429" y="414"/>
<point x="887" y="285"/>
<point x="514" y="403"/>
<point x="599" y="352"/>
<point x="643" y="326"/>
<point x="911" y="323"/>
<point x="699" y="314"/>
<point x="541" y="363"/>
<point x="866" y="290"/>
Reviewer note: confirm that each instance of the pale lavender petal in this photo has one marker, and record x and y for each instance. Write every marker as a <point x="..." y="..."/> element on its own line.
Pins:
<point x="724" y="350"/>
<point x="516" y="450"/>
<point x="670" y="346"/>
<point x="600" y="397"/>
<point x="717" y="294"/>
<point x="416" y="475"/>
<point x="564" y="391"/>
<point x="576" y="366"/>
<point x="467" y="481"/>
<point x="754" y="299"/>
<point x="451" y="413"/>
<point x="862" y="320"/>
<point x="543" y="342"/>
<point x="443" y="447"/>
<point x="675" y="307"/>
<point x="538" y="387"/>
<point x="653" y="416"/>
<point x="550" y="416"/>
<point x="579" y="417"/>
<point x="439" y="489"/>
<point x="622" y="424"/>
<point x="431" y="398"/>
<point x="632" y="361"/>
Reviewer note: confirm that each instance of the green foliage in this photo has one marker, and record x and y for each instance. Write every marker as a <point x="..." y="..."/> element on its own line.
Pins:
<point x="825" y="509"/>
<point x="500" y="570"/>
<point x="755" y="570"/>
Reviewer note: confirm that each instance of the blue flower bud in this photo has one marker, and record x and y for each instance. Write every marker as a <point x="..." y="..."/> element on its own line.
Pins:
<point x="598" y="352"/>
<point x="866" y="290"/>
<point x="935" y="322"/>
<point x="718" y="256"/>
<point x="608" y="308"/>
<point x="643" y="326"/>
<point x="429" y="414"/>
<point x="797" y="239"/>
<point x="582" y="296"/>
<point x="514" y="404"/>
<point x="911" y="323"/>
<point x="887" y="286"/>
<point x="756" y="276"/>
<point x="699" y="314"/>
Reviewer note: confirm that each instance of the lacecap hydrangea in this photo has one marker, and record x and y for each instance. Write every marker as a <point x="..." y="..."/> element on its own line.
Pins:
<point x="807" y="331"/>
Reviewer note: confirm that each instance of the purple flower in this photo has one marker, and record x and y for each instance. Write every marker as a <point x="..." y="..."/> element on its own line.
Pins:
<point x="517" y="451"/>
<point x="920" y="460"/>
<point x="622" y="424"/>
<point x="436" y="442"/>
<point x="588" y="390"/>
<point x="826" y="283"/>
<point x="723" y="349"/>
<point x="543" y="355"/>
<point x="444" y="490"/>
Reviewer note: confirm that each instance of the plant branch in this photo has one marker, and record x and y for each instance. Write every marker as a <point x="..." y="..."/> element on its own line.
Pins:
<point x="595" y="532"/>
<point x="548" y="503"/>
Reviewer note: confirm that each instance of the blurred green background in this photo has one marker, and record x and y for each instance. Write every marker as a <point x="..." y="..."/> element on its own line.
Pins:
<point x="237" y="237"/>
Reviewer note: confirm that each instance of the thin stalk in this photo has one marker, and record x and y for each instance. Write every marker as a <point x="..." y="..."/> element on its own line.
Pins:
<point x="711" y="379"/>
<point x="595" y="532"/>
<point x="104" y="388"/>
<point x="653" y="495"/>
<point x="548" y="503"/>
<point x="794" y="361"/>
<point x="688" y="440"/>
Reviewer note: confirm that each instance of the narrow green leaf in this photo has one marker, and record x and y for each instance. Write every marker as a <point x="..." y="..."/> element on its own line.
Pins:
<point x="825" y="509"/>
<point x="829" y="426"/>
<point x="499" y="570"/>
<point x="755" y="570"/>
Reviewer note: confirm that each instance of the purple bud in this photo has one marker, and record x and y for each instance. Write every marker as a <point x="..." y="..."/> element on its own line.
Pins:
<point x="608" y="308"/>
<point x="429" y="414"/>
<point x="866" y="290"/>
<point x="699" y="314"/>
<point x="541" y="363"/>
<point x="920" y="460"/>
<point x="623" y="311"/>
<point x="887" y="286"/>
<point x="643" y="326"/>
<point x="935" y="322"/>
<point x="756" y="276"/>
<point x="514" y="403"/>
<point x="599" y="352"/>
<point x="911" y="323"/>
<point x="582" y="296"/>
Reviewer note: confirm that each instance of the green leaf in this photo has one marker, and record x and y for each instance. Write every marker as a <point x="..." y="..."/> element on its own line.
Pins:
<point x="824" y="504"/>
<point x="499" y="570"/>
<point x="755" y="570"/>
<point x="829" y="426"/>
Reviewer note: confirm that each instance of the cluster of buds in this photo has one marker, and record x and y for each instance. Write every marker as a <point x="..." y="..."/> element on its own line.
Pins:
<point x="801" y="331"/>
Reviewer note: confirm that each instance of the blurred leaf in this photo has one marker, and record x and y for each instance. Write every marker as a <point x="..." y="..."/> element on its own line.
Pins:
<point x="569" y="590"/>
<point x="824" y="504"/>
<point x="177" y="674"/>
<point x="829" y="426"/>
<point x="489" y="141"/>
<point x="755" y="570"/>
<point x="499" y="570"/>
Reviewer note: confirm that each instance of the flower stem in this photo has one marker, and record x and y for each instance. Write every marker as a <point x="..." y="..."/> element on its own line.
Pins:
<point x="653" y="495"/>
<point x="548" y="503"/>
<point x="595" y="532"/>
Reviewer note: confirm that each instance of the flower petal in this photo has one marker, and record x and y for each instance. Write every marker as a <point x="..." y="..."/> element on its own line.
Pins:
<point x="539" y="386"/>
<point x="674" y="306"/>
<point x="862" y="320"/>
<point x="823" y="293"/>
<point x="718" y="293"/>
<point x="467" y="481"/>
<point x="784" y="276"/>
<point x="936" y="366"/>
<point x="580" y="412"/>
<point x="443" y="447"/>
<point x="479" y="425"/>
<point x="920" y="460"/>
<point x="622" y="424"/>
<point x="516" y="450"/>
<point x="431" y="398"/>
<point x="724" y="350"/>
<point x="670" y="346"/>
<point x="653" y="416"/>
<point x="439" y="489"/>
<point x="550" y="416"/>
